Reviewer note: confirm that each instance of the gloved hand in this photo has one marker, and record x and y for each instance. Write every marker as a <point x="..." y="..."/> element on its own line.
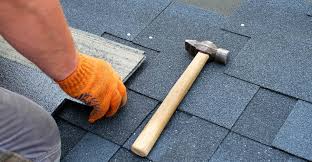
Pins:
<point x="95" y="83"/>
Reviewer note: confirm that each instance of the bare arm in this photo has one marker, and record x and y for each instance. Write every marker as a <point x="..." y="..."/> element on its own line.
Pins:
<point x="38" y="30"/>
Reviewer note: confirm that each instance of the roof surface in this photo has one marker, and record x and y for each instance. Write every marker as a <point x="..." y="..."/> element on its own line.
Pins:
<point x="256" y="108"/>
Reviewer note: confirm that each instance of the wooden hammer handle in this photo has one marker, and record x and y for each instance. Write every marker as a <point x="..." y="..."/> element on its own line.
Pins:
<point x="147" y="138"/>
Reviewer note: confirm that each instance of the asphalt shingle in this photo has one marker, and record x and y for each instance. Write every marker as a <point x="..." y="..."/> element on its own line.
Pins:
<point x="29" y="82"/>
<point x="91" y="148"/>
<point x="264" y="116"/>
<point x="159" y="73"/>
<point x="222" y="7"/>
<point x="157" y="79"/>
<point x="179" y="22"/>
<point x="295" y="136"/>
<point x="117" y="17"/>
<point x="117" y="128"/>
<point x="254" y="18"/>
<point x="125" y="155"/>
<point x="185" y="138"/>
<point x="142" y="80"/>
<point x="70" y="135"/>
<point x="173" y="60"/>
<point x="309" y="12"/>
<point x="275" y="61"/>
<point x="218" y="98"/>
<point x="238" y="148"/>
<point x="278" y="62"/>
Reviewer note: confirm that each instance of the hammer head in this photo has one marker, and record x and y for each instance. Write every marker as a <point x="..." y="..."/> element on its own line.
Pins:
<point x="215" y="54"/>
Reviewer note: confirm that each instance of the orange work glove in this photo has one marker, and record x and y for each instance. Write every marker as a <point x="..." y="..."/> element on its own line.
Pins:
<point x="95" y="83"/>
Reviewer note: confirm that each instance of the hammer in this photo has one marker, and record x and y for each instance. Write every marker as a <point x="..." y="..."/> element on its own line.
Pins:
<point x="204" y="51"/>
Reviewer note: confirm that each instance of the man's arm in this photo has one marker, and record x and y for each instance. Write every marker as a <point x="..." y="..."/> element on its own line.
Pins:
<point x="38" y="30"/>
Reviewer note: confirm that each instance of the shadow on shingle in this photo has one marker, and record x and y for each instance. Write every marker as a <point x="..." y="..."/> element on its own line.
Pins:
<point x="125" y="155"/>
<point x="70" y="135"/>
<point x="117" y="128"/>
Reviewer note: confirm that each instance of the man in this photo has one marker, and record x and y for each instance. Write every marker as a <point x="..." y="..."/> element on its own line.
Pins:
<point x="38" y="30"/>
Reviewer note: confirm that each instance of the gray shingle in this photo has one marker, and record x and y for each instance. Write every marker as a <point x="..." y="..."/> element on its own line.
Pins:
<point x="238" y="148"/>
<point x="125" y="155"/>
<point x="70" y="135"/>
<point x="117" y="17"/>
<point x="117" y="128"/>
<point x="185" y="138"/>
<point x="295" y="136"/>
<point x="91" y="148"/>
<point x="177" y="23"/>
<point x="278" y="62"/>
<point x="260" y="17"/>
<point x="264" y="116"/>
<point x="309" y="12"/>
<point x="159" y="73"/>
<point x="88" y="16"/>
<point x="218" y="98"/>
<point x="141" y="81"/>
<point x="222" y="7"/>
<point x="29" y="82"/>
<point x="207" y="90"/>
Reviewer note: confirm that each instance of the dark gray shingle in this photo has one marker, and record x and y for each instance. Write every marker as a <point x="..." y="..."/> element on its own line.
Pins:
<point x="295" y="136"/>
<point x="309" y="12"/>
<point x="29" y="82"/>
<point x="218" y="98"/>
<point x="70" y="135"/>
<point x="91" y="148"/>
<point x="117" y="128"/>
<point x="169" y="31"/>
<point x="179" y="22"/>
<point x="185" y="138"/>
<point x="261" y="17"/>
<point x="264" y="116"/>
<point x="125" y="155"/>
<point x="117" y="17"/>
<point x="278" y="62"/>
<point x="238" y="148"/>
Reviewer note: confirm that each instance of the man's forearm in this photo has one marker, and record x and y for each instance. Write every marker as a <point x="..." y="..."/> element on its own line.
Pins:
<point x="38" y="30"/>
